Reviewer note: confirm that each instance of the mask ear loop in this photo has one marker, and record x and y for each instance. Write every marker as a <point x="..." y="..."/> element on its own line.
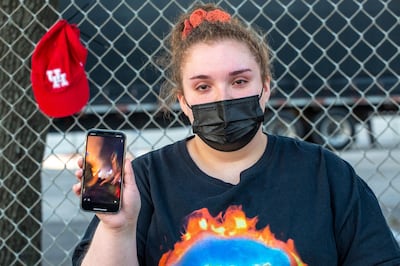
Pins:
<point x="260" y="95"/>
<point x="187" y="104"/>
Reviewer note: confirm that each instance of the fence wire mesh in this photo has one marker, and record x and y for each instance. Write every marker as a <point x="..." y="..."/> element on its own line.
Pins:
<point x="336" y="83"/>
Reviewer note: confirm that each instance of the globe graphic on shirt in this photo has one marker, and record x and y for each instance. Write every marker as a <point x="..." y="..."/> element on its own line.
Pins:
<point x="234" y="251"/>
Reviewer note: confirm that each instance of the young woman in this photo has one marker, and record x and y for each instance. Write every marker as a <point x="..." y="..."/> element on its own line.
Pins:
<point x="231" y="194"/>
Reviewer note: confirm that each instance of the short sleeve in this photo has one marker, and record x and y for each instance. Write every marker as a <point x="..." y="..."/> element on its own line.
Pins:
<point x="362" y="234"/>
<point x="83" y="245"/>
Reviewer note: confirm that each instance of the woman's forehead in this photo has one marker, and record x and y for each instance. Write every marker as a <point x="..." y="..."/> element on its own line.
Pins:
<point x="220" y="46"/>
<point x="220" y="54"/>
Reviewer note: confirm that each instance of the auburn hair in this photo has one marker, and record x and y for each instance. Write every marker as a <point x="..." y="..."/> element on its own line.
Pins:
<point x="208" y="31"/>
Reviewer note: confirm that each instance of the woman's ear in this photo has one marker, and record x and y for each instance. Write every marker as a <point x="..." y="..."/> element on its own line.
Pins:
<point x="267" y="91"/>
<point x="184" y="106"/>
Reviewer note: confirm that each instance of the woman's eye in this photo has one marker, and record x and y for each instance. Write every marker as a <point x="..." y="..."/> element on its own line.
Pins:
<point x="240" y="82"/>
<point x="202" y="87"/>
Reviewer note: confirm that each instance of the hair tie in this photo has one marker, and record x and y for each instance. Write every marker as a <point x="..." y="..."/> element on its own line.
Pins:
<point x="199" y="15"/>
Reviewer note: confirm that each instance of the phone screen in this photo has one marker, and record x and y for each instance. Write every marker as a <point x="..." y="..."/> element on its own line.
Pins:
<point x="103" y="171"/>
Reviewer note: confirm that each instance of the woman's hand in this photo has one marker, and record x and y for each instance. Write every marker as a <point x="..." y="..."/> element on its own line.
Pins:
<point x="115" y="230"/>
<point x="126" y="218"/>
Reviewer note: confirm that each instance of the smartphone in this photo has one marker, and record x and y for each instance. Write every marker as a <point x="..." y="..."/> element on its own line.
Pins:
<point x="103" y="171"/>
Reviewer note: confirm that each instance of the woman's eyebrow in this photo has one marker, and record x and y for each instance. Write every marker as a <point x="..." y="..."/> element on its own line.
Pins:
<point x="240" y="71"/>
<point x="200" y="77"/>
<point x="233" y="73"/>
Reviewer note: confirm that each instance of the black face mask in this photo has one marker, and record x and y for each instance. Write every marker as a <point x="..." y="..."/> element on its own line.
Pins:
<point x="228" y="125"/>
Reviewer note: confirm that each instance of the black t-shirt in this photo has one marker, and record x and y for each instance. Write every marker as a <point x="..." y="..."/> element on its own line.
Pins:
<point x="298" y="202"/>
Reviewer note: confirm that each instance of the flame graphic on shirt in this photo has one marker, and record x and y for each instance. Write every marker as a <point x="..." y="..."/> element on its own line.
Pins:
<point x="233" y="224"/>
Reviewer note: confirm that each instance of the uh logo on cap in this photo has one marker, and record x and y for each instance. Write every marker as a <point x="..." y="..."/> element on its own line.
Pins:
<point x="59" y="81"/>
<point x="57" y="78"/>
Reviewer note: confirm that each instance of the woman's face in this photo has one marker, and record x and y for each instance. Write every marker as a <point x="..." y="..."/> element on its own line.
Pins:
<point x="220" y="70"/>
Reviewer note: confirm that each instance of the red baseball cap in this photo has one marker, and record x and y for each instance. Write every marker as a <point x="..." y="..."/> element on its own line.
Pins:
<point x="59" y="81"/>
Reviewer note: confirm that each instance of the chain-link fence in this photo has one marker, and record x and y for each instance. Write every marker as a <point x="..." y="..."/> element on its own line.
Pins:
<point x="336" y="83"/>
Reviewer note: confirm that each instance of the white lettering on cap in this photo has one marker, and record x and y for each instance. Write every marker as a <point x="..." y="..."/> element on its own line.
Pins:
<point x="57" y="78"/>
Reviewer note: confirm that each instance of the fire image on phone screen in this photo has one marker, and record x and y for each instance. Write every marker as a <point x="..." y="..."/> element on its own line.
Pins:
<point x="102" y="178"/>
